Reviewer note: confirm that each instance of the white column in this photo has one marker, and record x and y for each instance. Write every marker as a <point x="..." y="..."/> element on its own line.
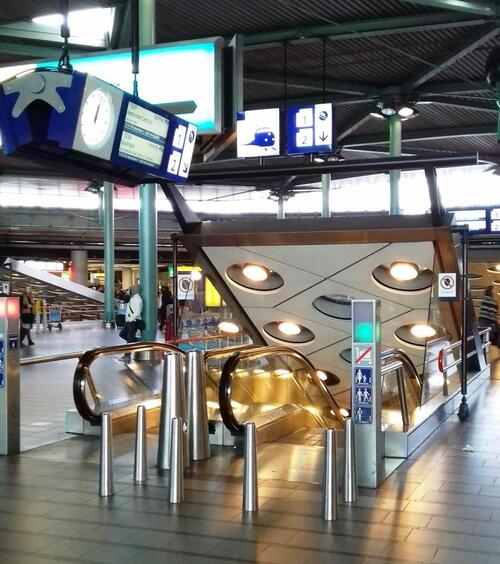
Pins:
<point x="80" y="267"/>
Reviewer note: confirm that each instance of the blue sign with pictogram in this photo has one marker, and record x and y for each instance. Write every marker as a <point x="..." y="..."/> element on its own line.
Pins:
<point x="363" y="376"/>
<point x="363" y="414"/>
<point x="310" y="129"/>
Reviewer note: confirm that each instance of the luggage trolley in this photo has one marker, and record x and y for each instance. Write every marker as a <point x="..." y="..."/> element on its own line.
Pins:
<point x="55" y="317"/>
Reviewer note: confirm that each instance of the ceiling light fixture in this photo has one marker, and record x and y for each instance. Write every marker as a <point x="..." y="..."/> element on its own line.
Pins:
<point x="422" y="331"/>
<point x="289" y="328"/>
<point x="255" y="272"/>
<point x="321" y="375"/>
<point x="403" y="271"/>
<point x="229" y="326"/>
<point x="196" y="275"/>
<point x="406" y="111"/>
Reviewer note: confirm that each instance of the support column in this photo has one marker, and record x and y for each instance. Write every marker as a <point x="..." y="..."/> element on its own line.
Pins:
<point x="80" y="267"/>
<point x="127" y="278"/>
<point x="281" y="207"/>
<point x="395" y="132"/>
<point x="148" y="235"/>
<point x="109" y="256"/>
<point x="325" y="194"/>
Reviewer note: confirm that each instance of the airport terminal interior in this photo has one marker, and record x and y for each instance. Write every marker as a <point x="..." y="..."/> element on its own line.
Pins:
<point x="249" y="281"/>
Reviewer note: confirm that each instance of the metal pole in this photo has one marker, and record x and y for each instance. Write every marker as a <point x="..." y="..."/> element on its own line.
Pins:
<point x="330" y="486"/>
<point x="197" y="416"/>
<point x="141" y="446"/>
<point x="175" y="289"/>
<point x="281" y="207"/>
<point x="445" y="374"/>
<point x="463" y="410"/>
<point x="350" y="477"/>
<point x="106" y="485"/>
<point x="176" y="483"/>
<point x="325" y="193"/>
<point x="250" y="479"/>
<point x="109" y="257"/>
<point x="402" y="398"/>
<point x="395" y="135"/>
<point x="148" y="236"/>
<point x="173" y="404"/>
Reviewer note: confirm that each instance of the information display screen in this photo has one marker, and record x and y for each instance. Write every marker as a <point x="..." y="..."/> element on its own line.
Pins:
<point x="144" y="136"/>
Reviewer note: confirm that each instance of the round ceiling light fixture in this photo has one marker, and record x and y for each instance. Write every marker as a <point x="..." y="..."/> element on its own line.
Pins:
<point x="406" y="111"/>
<point x="423" y="331"/>
<point x="254" y="277"/>
<point x="495" y="269"/>
<point x="255" y="272"/>
<point x="322" y="375"/>
<point x="337" y="306"/>
<point x="229" y="326"/>
<point x="404" y="271"/>
<point x="289" y="328"/>
<point x="288" y="332"/>
<point x="196" y="275"/>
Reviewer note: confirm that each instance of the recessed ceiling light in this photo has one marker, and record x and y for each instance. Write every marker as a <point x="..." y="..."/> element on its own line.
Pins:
<point x="422" y="331"/>
<point x="497" y="267"/>
<point x="344" y="412"/>
<point x="322" y="375"/>
<point x="288" y="328"/>
<point x="255" y="272"/>
<point x="228" y="327"/>
<point x="406" y="111"/>
<point x="195" y="275"/>
<point x="388" y="111"/>
<point x="376" y="115"/>
<point x="404" y="270"/>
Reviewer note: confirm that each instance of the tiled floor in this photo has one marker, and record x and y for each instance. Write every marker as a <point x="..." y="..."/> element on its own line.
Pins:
<point x="440" y="506"/>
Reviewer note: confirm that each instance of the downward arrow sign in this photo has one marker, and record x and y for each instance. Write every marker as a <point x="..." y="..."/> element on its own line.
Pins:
<point x="323" y="136"/>
<point x="185" y="167"/>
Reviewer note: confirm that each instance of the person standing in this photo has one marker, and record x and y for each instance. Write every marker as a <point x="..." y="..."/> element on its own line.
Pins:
<point x="27" y="315"/>
<point x="133" y="320"/>
<point x="488" y="312"/>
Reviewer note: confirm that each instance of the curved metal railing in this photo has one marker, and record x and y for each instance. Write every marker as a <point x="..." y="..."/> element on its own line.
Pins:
<point x="82" y="379"/>
<point x="395" y="355"/>
<point x="226" y="383"/>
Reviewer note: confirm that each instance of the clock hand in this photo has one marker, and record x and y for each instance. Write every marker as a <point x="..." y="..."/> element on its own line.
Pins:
<point x="97" y="111"/>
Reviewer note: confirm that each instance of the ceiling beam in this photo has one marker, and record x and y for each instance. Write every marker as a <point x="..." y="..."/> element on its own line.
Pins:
<point x="424" y="135"/>
<point x="486" y="8"/>
<point x="466" y="103"/>
<point x="356" y="121"/>
<point x="464" y="48"/>
<point x="474" y="85"/>
<point x="367" y="28"/>
<point x="337" y="100"/>
<point x="314" y="83"/>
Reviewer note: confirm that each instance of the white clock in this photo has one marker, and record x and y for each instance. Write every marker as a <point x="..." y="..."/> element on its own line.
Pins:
<point x="97" y="118"/>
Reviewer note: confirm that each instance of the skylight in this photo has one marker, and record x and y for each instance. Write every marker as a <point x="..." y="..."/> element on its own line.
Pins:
<point x="93" y="22"/>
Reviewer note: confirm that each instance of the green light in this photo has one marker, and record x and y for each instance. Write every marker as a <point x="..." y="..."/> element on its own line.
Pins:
<point x="363" y="332"/>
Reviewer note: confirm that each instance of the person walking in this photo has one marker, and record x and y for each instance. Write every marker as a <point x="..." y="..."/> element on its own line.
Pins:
<point x="27" y="315"/>
<point x="488" y="312"/>
<point x="133" y="320"/>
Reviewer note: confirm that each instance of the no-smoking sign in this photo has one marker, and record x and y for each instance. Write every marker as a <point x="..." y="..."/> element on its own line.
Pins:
<point x="447" y="285"/>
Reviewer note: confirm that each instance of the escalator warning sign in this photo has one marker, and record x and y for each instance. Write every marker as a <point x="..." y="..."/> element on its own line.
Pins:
<point x="363" y="415"/>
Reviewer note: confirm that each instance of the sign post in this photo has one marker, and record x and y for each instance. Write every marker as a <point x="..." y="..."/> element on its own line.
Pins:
<point x="10" y="429"/>
<point x="367" y="392"/>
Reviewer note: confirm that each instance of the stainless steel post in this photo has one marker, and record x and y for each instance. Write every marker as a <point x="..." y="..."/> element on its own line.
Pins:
<point x="350" y="479"/>
<point x="250" y="479"/>
<point x="176" y="483"/>
<point x="106" y="485"/>
<point x="109" y="257"/>
<point x="330" y="485"/>
<point x="173" y="404"/>
<point x="175" y="287"/>
<point x="402" y="398"/>
<point x="445" y="374"/>
<point x="395" y="134"/>
<point x="198" y="437"/>
<point x="325" y="195"/>
<point x="141" y="447"/>
<point x="463" y="410"/>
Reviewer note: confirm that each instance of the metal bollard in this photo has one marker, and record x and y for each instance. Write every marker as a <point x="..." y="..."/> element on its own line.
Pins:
<point x="106" y="486"/>
<point x="141" y="447"/>
<point x="250" y="479"/>
<point x="350" y="476"/>
<point x="176" y="483"/>
<point x="330" y="484"/>
<point x="197" y="416"/>
<point x="173" y="404"/>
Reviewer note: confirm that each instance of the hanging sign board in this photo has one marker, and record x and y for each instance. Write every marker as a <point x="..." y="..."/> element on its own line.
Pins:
<point x="184" y="78"/>
<point x="310" y="129"/>
<point x="185" y="287"/>
<point x="258" y="133"/>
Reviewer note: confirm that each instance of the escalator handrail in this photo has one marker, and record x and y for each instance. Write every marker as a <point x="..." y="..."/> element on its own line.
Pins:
<point x="82" y="376"/>
<point x="226" y="382"/>
<point x="398" y="354"/>
<point x="216" y="354"/>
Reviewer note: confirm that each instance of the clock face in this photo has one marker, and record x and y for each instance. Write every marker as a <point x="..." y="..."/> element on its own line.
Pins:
<point x="96" y="118"/>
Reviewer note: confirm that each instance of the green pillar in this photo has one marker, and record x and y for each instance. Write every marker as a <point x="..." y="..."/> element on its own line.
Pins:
<point x="109" y="256"/>
<point x="281" y="207"/>
<point x="148" y="235"/>
<point x="395" y="149"/>
<point x="325" y="194"/>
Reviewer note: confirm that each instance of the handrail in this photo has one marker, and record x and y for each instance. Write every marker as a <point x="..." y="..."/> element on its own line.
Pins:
<point x="204" y="338"/>
<point x="216" y="354"/>
<point x="82" y="374"/>
<point x="225" y="389"/>
<point x="469" y="338"/>
<point x="410" y="367"/>
<point x="443" y="367"/>
<point x="398" y="368"/>
<point x="50" y="358"/>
